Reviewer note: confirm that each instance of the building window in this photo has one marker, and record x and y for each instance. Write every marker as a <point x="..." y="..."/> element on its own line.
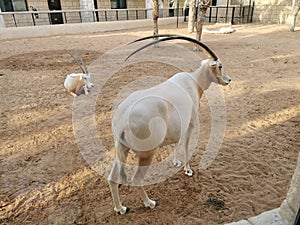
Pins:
<point x="13" y="5"/>
<point x="118" y="4"/>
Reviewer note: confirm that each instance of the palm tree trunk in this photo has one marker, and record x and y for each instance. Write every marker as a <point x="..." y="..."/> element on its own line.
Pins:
<point x="202" y="8"/>
<point x="192" y="9"/>
<point x="295" y="11"/>
<point x="155" y="17"/>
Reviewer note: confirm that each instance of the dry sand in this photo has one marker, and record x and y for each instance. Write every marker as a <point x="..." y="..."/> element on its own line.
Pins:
<point x="45" y="180"/>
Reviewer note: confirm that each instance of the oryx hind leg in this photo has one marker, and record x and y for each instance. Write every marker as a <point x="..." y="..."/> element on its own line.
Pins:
<point x="118" y="176"/>
<point x="144" y="161"/>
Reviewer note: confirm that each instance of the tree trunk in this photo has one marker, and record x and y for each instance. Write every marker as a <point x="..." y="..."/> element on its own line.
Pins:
<point x="155" y="17"/>
<point x="202" y="8"/>
<point x="192" y="9"/>
<point x="295" y="11"/>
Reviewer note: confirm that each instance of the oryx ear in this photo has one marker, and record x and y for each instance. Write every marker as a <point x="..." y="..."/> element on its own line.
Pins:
<point x="212" y="63"/>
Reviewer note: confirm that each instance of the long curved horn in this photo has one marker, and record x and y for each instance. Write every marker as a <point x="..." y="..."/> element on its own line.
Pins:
<point x="203" y="46"/>
<point x="77" y="62"/>
<point x="152" y="36"/>
<point x="82" y="62"/>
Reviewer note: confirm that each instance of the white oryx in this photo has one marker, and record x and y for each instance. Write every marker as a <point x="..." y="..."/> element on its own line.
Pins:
<point x="75" y="83"/>
<point x="158" y="116"/>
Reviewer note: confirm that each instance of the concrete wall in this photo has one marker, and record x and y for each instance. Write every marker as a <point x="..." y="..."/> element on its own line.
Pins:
<point x="290" y="206"/>
<point x="273" y="11"/>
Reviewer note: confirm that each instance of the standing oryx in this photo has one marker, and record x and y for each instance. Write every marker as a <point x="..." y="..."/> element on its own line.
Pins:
<point x="75" y="83"/>
<point x="161" y="115"/>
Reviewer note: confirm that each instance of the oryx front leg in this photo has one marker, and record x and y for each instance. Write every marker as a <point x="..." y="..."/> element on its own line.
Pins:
<point x="176" y="162"/>
<point x="187" y="169"/>
<point x="86" y="90"/>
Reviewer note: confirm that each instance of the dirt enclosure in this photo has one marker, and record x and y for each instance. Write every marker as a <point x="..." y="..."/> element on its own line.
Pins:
<point x="45" y="179"/>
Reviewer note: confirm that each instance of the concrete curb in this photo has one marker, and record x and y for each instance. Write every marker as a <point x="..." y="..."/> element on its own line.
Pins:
<point x="271" y="217"/>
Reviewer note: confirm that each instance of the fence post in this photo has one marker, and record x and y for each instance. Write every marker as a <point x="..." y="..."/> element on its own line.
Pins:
<point x="249" y="8"/>
<point x="65" y="15"/>
<point x="251" y="18"/>
<point x="94" y="17"/>
<point x="49" y="17"/>
<point x="226" y="19"/>
<point x="240" y="14"/>
<point x="15" y="22"/>
<point x="232" y="16"/>
<point x="33" y="20"/>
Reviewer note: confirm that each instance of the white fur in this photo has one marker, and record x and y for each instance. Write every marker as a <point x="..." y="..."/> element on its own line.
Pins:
<point x="157" y="116"/>
<point x="75" y="82"/>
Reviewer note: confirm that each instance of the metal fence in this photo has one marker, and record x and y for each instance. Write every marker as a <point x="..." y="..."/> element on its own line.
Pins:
<point x="231" y="13"/>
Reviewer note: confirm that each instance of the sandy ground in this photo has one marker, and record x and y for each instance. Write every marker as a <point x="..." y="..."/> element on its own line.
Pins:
<point x="45" y="179"/>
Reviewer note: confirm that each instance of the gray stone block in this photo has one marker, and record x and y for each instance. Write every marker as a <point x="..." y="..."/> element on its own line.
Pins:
<point x="293" y="196"/>
<point x="286" y="212"/>
<point x="241" y="222"/>
<point x="271" y="217"/>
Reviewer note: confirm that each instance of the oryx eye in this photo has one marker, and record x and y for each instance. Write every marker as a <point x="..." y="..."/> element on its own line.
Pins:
<point x="220" y="66"/>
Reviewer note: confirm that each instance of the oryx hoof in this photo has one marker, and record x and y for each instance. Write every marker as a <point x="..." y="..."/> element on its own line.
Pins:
<point x="189" y="172"/>
<point x="151" y="204"/>
<point x="177" y="163"/>
<point x="123" y="210"/>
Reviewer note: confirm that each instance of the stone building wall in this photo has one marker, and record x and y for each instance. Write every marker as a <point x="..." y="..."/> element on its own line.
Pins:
<point x="272" y="11"/>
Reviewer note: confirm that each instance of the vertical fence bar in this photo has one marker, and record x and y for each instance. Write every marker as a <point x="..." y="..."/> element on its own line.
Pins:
<point x="117" y="15"/>
<point x="80" y="17"/>
<point x="209" y="18"/>
<point x="127" y="14"/>
<point x="217" y="11"/>
<point x="226" y="19"/>
<point x="240" y="14"/>
<point x="65" y="15"/>
<point x="33" y="18"/>
<point x="251" y="18"/>
<point x="14" y="19"/>
<point x="105" y="15"/>
<point x="94" y="17"/>
<point x="232" y="16"/>
<point x="177" y="14"/>
<point x="136" y="15"/>
<point x="49" y="17"/>
<point x="248" y="14"/>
